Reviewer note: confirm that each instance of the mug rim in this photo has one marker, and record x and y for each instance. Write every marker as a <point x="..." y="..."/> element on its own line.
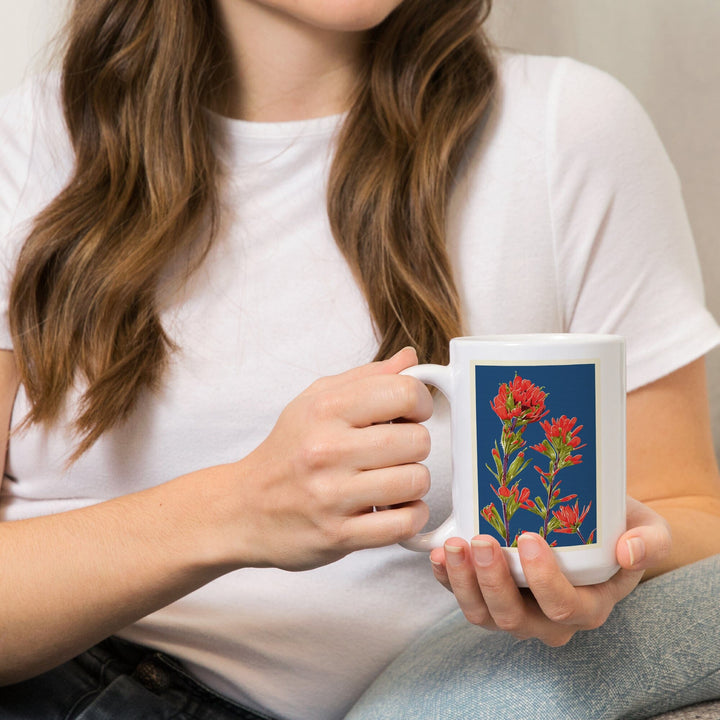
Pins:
<point x="539" y="338"/>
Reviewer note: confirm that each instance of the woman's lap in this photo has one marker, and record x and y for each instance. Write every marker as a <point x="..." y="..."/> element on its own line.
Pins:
<point x="660" y="649"/>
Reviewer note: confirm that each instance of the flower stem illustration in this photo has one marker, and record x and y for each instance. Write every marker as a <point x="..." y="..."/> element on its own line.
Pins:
<point x="570" y="519"/>
<point x="561" y="440"/>
<point x="519" y="404"/>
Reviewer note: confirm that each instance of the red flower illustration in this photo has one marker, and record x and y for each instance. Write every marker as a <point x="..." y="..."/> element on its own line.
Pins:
<point x="561" y="439"/>
<point x="570" y="518"/>
<point x="518" y="404"/>
<point x="521" y="497"/>
<point x="524" y="499"/>
<point x="520" y="399"/>
<point x="564" y="429"/>
<point x="567" y="498"/>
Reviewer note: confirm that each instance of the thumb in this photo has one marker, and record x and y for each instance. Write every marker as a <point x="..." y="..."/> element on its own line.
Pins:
<point x="647" y="541"/>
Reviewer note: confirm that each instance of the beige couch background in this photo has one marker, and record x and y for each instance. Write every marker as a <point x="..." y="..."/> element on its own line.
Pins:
<point x="667" y="52"/>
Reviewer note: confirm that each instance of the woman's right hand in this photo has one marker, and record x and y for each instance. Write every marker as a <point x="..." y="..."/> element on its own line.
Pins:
<point x="305" y="496"/>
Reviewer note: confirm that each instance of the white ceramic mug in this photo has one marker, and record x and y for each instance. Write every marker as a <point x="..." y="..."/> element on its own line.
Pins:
<point x="538" y="445"/>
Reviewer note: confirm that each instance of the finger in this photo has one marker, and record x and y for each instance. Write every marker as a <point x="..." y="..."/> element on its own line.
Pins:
<point x="382" y="398"/>
<point x="502" y="598"/>
<point x="464" y="583"/>
<point x="555" y="595"/>
<point x="368" y="448"/>
<point x="381" y="446"/>
<point x="437" y="561"/>
<point x="372" y="400"/>
<point x="647" y="541"/>
<point x="619" y="585"/>
<point x="389" y="486"/>
<point x="386" y="527"/>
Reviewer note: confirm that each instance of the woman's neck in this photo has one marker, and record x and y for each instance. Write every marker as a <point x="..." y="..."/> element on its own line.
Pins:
<point x="283" y="68"/>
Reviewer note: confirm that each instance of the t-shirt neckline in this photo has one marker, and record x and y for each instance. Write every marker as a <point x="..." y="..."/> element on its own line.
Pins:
<point x="240" y="130"/>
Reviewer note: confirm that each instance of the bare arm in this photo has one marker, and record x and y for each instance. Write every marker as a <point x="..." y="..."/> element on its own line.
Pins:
<point x="300" y="500"/>
<point x="671" y="462"/>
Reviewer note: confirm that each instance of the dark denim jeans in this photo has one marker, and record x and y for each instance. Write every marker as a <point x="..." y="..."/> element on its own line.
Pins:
<point x="117" y="680"/>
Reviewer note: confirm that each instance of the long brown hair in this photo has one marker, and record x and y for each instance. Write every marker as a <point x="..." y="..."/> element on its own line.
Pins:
<point x="136" y="77"/>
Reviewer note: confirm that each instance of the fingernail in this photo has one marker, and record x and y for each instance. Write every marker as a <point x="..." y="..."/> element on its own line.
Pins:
<point x="482" y="552"/>
<point x="636" y="549"/>
<point x="529" y="546"/>
<point x="454" y="555"/>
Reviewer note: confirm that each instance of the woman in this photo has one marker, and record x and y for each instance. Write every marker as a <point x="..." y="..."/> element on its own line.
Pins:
<point x="176" y="276"/>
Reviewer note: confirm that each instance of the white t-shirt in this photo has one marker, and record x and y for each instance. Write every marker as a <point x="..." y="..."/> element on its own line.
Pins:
<point x="567" y="216"/>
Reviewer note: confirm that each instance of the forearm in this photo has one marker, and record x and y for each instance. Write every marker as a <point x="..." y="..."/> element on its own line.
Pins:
<point x="71" y="579"/>
<point x="695" y="526"/>
<point x="298" y="501"/>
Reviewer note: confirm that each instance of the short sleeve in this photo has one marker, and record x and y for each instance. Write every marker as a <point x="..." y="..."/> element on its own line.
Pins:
<point x="626" y="258"/>
<point x="34" y="161"/>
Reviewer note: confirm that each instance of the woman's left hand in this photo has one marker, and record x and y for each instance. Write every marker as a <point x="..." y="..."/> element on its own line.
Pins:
<point x="551" y="609"/>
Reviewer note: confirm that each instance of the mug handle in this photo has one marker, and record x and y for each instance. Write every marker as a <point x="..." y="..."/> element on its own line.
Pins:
<point x="441" y="377"/>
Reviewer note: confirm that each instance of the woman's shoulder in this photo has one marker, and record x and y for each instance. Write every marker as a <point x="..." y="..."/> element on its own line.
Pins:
<point x="574" y="108"/>
<point x="540" y="76"/>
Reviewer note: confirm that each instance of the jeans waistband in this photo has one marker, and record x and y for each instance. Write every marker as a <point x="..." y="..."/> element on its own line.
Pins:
<point x="119" y="679"/>
<point x="165" y="676"/>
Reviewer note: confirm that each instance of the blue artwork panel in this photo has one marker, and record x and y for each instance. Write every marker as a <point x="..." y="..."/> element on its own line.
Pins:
<point x="536" y="452"/>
